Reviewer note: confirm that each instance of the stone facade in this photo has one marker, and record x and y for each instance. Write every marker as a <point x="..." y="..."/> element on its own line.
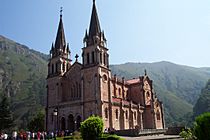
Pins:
<point x="77" y="90"/>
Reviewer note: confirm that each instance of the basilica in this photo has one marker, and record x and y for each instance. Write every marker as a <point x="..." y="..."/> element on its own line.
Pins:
<point x="77" y="90"/>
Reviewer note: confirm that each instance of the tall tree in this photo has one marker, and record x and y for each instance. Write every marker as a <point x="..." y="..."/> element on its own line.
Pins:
<point x="6" y="117"/>
<point x="37" y="123"/>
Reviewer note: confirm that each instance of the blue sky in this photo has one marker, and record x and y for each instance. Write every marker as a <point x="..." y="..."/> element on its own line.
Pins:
<point x="137" y="30"/>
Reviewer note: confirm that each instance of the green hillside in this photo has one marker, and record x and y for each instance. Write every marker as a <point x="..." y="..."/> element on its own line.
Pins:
<point x="203" y="103"/>
<point x="22" y="77"/>
<point x="23" y="72"/>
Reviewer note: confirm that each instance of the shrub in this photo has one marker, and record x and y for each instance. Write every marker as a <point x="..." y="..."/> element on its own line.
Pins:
<point x="187" y="134"/>
<point x="202" y="126"/>
<point x="110" y="137"/>
<point x="92" y="128"/>
<point x="113" y="137"/>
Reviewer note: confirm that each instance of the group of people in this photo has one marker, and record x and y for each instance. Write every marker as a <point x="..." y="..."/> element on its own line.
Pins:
<point x="27" y="135"/>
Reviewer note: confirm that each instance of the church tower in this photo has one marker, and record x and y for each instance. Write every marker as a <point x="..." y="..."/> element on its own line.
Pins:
<point x="95" y="61"/>
<point x="58" y="65"/>
<point x="59" y="61"/>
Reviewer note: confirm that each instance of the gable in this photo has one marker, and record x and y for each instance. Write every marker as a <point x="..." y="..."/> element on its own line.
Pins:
<point x="75" y="69"/>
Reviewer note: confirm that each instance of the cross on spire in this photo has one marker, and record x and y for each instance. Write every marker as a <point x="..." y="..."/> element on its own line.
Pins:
<point x="61" y="11"/>
<point x="76" y="56"/>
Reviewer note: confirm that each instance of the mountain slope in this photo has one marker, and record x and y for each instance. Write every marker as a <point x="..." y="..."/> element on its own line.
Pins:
<point x="22" y="77"/>
<point x="203" y="103"/>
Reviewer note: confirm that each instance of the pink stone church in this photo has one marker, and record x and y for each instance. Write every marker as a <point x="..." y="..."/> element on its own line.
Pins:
<point x="77" y="90"/>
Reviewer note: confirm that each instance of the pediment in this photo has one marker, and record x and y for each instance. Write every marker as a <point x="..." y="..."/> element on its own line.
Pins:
<point x="75" y="68"/>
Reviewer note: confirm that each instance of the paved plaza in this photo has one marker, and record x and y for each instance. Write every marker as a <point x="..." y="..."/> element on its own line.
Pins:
<point x="156" y="137"/>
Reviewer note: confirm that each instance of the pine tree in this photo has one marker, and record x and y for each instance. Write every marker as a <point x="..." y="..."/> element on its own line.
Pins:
<point x="6" y="118"/>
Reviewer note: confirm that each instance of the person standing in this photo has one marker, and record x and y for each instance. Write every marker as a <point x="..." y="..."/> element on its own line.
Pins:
<point x="14" y="135"/>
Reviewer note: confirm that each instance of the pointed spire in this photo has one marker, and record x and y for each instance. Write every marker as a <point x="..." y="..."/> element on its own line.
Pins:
<point x="94" y="28"/>
<point x="52" y="49"/>
<point x="68" y="50"/>
<point x="145" y="72"/>
<point x="60" y="41"/>
<point x="86" y="36"/>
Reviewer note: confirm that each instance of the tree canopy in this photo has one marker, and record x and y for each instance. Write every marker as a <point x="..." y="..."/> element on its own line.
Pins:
<point x="6" y="117"/>
<point x="37" y="123"/>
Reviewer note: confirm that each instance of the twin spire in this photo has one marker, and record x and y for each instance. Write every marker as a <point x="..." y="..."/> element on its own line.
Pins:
<point x="60" y="46"/>
<point x="95" y="35"/>
<point x="94" y="28"/>
<point x="94" y="32"/>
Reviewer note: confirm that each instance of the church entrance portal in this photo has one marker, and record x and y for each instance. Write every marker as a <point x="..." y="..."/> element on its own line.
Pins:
<point x="63" y="124"/>
<point x="78" y="122"/>
<point x="71" y="123"/>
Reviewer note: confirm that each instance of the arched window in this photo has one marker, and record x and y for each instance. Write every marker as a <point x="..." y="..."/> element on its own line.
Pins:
<point x="93" y="57"/>
<point x="119" y="91"/>
<point x="72" y="92"/>
<point x="100" y="57"/>
<point x="158" y="115"/>
<point x="123" y="94"/>
<point x="104" y="58"/>
<point x="114" y="91"/>
<point x="106" y="112"/>
<point x="135" y="115"/>
<point x="148" y="95"/>
<point x="64" y="66"/>
<point x="88" y="58"/>
<point x="52" y="68"/>
<point x="127" y="95"/>
<point x="116" y="113"/>
<point x="77" y="90"/>
<point x="126" y="114"/>
<point x="56" y="67"/>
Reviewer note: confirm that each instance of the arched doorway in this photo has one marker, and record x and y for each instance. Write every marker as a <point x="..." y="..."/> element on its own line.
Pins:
<point x="63" y="123"/>
<point x="78" y="122"/>
<point x="71" y="123"/>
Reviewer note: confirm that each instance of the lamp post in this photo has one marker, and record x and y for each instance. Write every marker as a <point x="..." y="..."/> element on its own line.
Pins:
<point x="55" y="113"/>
